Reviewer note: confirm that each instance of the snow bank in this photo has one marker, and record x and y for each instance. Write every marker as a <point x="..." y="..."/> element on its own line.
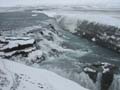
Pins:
<point x="29" y="78"/>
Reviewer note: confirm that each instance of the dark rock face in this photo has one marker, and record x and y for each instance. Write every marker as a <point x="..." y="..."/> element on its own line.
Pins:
<point x="107" y="77"/>
<point x="106" y="80"/>
<point x="19" y="47"/>
<point x="38" y="59"/>
<point x="54" y="52"/>
<point x="92" y="75"/>
<point x="107" y="70"/>
<point x="104" y="35"/>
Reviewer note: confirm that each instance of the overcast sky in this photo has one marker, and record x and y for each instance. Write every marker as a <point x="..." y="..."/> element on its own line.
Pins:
<point x="66" y="2"/>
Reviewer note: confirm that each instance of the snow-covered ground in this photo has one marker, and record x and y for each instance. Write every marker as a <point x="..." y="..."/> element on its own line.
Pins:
<point x="20" y="77"/>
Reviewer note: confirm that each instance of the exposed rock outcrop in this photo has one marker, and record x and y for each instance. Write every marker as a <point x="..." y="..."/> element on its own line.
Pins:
<point x="16" y="46"/>
<point x="103" y="35"/>
<point x="107" y="70"/>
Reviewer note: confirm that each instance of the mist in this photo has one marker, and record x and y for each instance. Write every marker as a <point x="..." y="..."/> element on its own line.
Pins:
<point x="107" y="3"/>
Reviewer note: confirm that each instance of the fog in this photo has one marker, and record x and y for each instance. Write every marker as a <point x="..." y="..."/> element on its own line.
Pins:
<point x="107" y="3"/>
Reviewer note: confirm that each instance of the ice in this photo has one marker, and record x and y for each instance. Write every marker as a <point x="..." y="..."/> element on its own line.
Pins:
<point x="10" y="54"/>
<point x="93" y="39"/>
<point x="17" y="38"/>
<point x="89" y="69"/>
<point x="34" y="15"/>
<point x="106" y="70"/>
<point x="36" y="57"/>
<point x="105" y="67"/>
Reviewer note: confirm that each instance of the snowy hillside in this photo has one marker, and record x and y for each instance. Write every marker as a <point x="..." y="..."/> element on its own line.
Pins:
<point x="14" y="76"/>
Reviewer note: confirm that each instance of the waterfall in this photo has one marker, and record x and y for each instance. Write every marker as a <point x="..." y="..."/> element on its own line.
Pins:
<point x="86" y="81"/>
<point x="116" y="83"/>
<point x="98" y="81"/>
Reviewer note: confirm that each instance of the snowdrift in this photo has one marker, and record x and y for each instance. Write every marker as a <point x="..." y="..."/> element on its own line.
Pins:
<point x="14" y="76"/>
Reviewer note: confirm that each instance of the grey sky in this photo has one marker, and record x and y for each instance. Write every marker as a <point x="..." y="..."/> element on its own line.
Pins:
<point x="66" y="2"/>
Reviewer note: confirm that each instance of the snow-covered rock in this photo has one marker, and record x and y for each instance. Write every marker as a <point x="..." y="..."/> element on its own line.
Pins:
<point x="14" y="76"/>
<point x="36" y="57"/>
<point x="106" y="72"/>
<point x="89" y="70"/>
<point x="15" y="42"/>
<point x="16" y="46"/>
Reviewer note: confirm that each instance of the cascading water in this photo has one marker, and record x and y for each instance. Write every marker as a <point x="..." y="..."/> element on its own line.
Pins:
<point x="106" y="36"/>
<point x="98" y="81"/>
<point x="87" y="82"/>
<point x="116" y="83"/>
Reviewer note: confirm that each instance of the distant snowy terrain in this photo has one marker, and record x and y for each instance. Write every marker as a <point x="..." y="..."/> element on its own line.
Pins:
<point x="94" y="3"/>
<point x="73" y="15"/>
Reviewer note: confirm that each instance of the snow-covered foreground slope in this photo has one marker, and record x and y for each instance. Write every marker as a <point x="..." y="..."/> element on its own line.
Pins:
<point x="14" y="76"/>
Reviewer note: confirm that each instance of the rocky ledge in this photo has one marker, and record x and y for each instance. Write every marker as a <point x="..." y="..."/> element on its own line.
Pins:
<point x="104" y="71"/>
<point x="13" y="46"/>
<point x="103" y="35"/>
